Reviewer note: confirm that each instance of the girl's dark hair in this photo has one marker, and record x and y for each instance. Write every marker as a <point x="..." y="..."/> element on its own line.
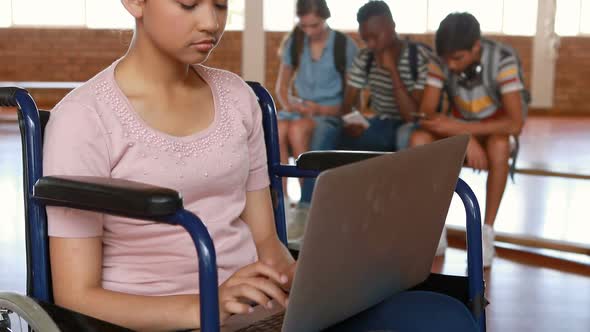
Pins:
<point x="371" y="9"/>
<point x="317" y="7"/>
<point x="457" y="32"/>
<point x="302" y="8"/>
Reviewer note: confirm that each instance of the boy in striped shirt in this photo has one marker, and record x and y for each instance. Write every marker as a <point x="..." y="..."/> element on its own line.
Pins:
<point x="483" y="81"/>
<point x="394" y="70"/>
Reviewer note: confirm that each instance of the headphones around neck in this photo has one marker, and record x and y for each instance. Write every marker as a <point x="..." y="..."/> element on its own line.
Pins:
<point x="471" y="76"/>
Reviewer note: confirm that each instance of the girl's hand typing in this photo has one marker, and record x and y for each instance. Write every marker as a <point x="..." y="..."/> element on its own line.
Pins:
<point x="273" y="253"/>
<point x="258" y="283"/>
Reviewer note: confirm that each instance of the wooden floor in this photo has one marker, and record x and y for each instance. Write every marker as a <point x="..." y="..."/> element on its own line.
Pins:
<point x="557" y="144"/>
<point x="525" y="294"/>
<point x="525" y="297"/>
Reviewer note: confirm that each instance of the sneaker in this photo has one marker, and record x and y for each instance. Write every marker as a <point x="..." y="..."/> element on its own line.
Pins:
<point x="488" y="245"/>
<point x="289" y="202"/>
<point x="296" y="220"/>
<point x="442" y="243"/>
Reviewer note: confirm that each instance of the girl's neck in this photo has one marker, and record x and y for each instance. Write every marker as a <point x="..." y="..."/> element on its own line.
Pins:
<point x="322" y="37"/>
<point x="153" y="69"/>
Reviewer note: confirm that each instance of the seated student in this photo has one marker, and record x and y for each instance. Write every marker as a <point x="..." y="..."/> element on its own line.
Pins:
<point x="484" y="81"/>
<point x="159" y="116"/>
<point x="394" y="70"/>
<point x="314" y="60"/>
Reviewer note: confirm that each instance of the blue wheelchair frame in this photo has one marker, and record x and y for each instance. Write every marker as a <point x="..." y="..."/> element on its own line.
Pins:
<point x="38" y="271"/>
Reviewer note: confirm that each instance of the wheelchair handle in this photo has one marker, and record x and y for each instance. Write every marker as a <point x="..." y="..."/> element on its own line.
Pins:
<point x="8" y="96"/>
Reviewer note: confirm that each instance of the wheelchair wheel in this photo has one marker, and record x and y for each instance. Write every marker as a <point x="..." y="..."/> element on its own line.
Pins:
<point x="19" y="313"/>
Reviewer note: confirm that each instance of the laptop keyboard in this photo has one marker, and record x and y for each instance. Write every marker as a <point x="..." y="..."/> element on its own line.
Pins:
<point x="269" y="324"/>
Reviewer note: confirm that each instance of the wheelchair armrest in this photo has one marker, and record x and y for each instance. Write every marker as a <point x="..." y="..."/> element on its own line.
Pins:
<point x="323" y="160"/>
<point x="115" y="196"/>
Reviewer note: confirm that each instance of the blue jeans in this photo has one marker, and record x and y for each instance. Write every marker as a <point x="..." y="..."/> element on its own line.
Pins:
<point x="326" y="136"/>
<point x="419" y="311"/>
<point x="380" y="136"/>
<point x="383" y="134"/>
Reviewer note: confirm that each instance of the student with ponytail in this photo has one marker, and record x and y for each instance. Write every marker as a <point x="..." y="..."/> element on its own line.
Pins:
<point x="310" y="90"/>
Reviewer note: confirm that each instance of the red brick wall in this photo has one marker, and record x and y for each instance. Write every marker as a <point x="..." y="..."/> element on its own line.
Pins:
<point x="572" y="76"/>
<point x="78" y="54"/>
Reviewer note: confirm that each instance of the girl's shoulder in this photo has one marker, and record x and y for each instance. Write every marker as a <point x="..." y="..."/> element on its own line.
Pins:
<point x="233" y="93"/>
<point x="226" y="84"/>
<point x="87" y="110"/>
<point x="87" y="95"/>
<point x="221" y="77"/>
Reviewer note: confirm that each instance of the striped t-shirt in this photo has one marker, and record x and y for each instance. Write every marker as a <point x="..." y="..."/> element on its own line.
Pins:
<point x="474" y="102"/>
<point x="379" y="81"/>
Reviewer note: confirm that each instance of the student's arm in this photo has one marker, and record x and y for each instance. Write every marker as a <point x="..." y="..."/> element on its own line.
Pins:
<point x="510" y="123"/>
<point x="405" y="100"/>
<point x="430" y="100"/>
<point x="76" y="268"/>
<point x="282" y="86"/>
<point x="258" y="214"/>
<point x="351" y="95"/>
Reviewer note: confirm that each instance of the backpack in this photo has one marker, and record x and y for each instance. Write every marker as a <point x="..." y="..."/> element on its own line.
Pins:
<point x="489" y="71"/>
<point x="494" y="59"/>
<point x="340" y="43"/>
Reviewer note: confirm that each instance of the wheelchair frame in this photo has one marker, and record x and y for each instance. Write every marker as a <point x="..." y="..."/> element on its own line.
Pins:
<point x="32" y="122"/>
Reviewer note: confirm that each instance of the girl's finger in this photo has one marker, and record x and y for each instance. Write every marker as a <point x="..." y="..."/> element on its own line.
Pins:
<point x="260" y="269"/>
<point x="247" y="293"/>
<point x="270" y="289"/>
<point x="236" y="307"/>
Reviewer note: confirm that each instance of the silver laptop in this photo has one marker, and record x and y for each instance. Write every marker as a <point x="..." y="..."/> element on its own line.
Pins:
<point x="372" y="231"/>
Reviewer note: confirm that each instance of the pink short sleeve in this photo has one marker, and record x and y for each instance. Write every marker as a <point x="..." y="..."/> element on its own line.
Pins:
<point x="258" y="177"/>
<point x="75" y="144"/>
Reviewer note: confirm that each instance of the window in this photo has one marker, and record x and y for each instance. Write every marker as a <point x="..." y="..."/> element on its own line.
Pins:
<point x="107" y="14"/>
<point x="412" y="16"/>
<point x="279" y="15"/>
<point x="488" y="13"/>
<point x="96" y="14"/>
<point x="420" y="16"/>
<point x="585" y="17"/>
<point x="520" y="17"/>
<point x="572" y="17"/>
<point x="5" y="13"/>
<point x="43" y="12"/>
<point x="344" y="16"/>
<point x="235" y="16"/>
<point x="409" y="16"/>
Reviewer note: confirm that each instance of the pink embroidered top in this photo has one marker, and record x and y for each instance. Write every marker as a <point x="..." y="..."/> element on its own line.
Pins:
<point x="95" y="131"/>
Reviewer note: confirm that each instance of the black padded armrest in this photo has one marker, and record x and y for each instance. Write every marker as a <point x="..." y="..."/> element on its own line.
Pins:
<point x="7" y="96"/>
<point x="323" y="160"/>
<point x="114" y="196"/>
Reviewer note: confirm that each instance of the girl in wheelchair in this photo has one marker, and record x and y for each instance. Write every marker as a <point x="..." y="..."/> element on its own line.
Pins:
<point x="159" y="116"/>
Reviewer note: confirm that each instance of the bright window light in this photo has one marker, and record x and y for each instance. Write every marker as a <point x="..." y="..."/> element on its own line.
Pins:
<point x="488" y="12"/>
<point x="235" y="16"/>
<point x="585" y="17"/>
<point x="520" y="17"/>
<point x="343" y="14"/>
<point x="5" y="13"/>
<point x="567" y="17"/>
<point x="279" y="15"/>
<point x="108" y="14"/>
<point x="410" y="16"/>
<point x="48" y="12"/>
